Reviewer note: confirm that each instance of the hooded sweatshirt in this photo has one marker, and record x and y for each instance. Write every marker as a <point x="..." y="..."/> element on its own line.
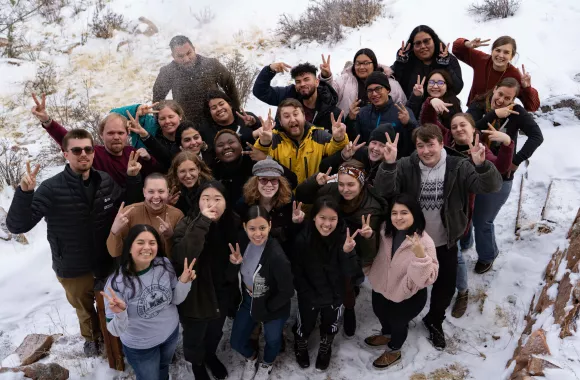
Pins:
<point x="432" y="198"/>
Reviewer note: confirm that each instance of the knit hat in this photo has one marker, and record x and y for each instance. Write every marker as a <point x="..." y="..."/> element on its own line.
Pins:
<point x="267" y="168"/>
<point x="377" y="77"/>
<point x="378" y="134"/>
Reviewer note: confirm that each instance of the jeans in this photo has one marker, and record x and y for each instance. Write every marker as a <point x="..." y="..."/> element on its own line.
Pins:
<point x="466" y="242"/>
<point x="461" y="282"/>
<point x="444" y="287"/>
<point x="243" y="327"/>
<point x="487" y="207"/>
<point x="153" y="363"/>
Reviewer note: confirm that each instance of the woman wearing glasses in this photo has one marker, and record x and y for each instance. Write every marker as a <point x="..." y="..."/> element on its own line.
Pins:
<point x="350" y="85"/>
<point x="423" y="53"/>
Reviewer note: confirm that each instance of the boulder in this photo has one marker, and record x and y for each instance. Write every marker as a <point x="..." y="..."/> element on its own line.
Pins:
<point x="536" y="366"/>
<point x="50" y="371"/>
<point x="33" y="348"/>
<point x="536" y="345"/>
<point x="553" y="265"/>
<point x="564" y="292"/>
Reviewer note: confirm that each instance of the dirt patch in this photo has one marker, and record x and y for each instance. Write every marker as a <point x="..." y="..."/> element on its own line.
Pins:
<point x="454" y="371"/>
<point x="573" y="104"/>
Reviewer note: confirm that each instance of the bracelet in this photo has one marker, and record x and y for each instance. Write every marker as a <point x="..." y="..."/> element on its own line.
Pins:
<point x="47" y="122"/>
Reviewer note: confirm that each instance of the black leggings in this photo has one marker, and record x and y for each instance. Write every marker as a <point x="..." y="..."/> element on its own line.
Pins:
<point x="201" y="338"/>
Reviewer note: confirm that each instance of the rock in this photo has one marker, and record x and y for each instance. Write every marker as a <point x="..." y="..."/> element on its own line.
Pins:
<point x="151" y="27"/>
<point x="553" y="265"/>
<point x="546" y="109"/>
<point x="556" y="124"/>
<point x="536" y="345"/>
<point x="564" y="292"/>
<point x="20" y="238"/>
<point x="569" y="323"/>
<point x="536" y="366"/>
<point x="33" y="348"/>
<point x="4" y="233"/>
<point x="50" y="371"/>
<point x="544" y="300"/>
<point x="573" y="252"/>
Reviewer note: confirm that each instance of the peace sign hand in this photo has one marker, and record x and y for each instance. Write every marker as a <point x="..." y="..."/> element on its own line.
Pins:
<point x="497" y="136"/>
<point x="39" y="110"/>
<point x="297" y="213"/>
<point x="504" y="112"/>
<point x="338" y="127"/>
<point x="174" y="195"/>
<point x="351" y="148"/>
<point x="248" y="119"/>
<point x="210" y="212"/>
<point x="145" y="109"/>
<point x="236" y="256"/>
<point x="366" y="231"/>
<point x="267" y="128"/>
<point x="419" y="88"/>
<point x="526" y="78"/>
<point x="254" y="153"/>
<point x="116" y="305"/>
<point x="133" y="166"/>
<point x="280" y="67"/>
<point x="477" y="151"/>
<point x="444" y="50"/>
<point x="121" y="220"/>
<point x="440" y="106"/>
<point x="416" y="246"/>
<point x="165" y="227"/>
<point x="476" y="42"/>
<point x="325" y="67"/>
<point x="349" y="243"/>
<point x="28" y="182"/>
<point x="323" y="178"/>
<point x="188" y="274"/>
<point x="404" y="50"/>
<point x="134" y="126"/>
<point x="390" y="152"/>
<point x="404" y="117"/>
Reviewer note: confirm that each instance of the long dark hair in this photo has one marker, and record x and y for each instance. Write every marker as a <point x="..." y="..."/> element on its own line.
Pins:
<point x="320" y="204"/>
<point x="126" y="267"/>
<point x="227" y="223"/>
<point x="369" y="53"/>
<point x="418" y="218"/>
<point x="257" y="211"/>
<point x="449" y="97"/>
<point x="432" y="34"/>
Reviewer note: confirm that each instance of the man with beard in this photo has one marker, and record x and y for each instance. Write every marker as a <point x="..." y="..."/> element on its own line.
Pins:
<point x="299" y="145"/>
<point x="79" y="206"/>
<point x="190" y="77"/>
<point x="318" y="99"/>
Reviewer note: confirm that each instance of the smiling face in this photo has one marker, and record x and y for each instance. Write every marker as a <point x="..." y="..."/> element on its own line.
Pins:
<point x="292" y="120"/>
<point x="168" y="120"/>
<point x="227" y="148"/>
<point x="401" y="217"/>
<point x="436" y="85"/>
<point x="212" y="197"/>
<point x="377" y="94"/>
<point x="502" y="97"/>
<point x="363" y="66"/>
<point x="462" y="131"/>
<point x="306" y="84"/>
<point x="376" y="149"/>
<point x="423" y="46"/>
<point x="501" y="56"/>
<point x="144" y="250"/>
<point x="184" y="55"/>
<point x="156" y="193"/>
<point x="268" y="186"/>
<point x="326" y="221"/>
<point x="221" y="111"/>
<point x="115" y="135"/>
<point x="83" y="162"/>
<point x="348" y="187"/>
<point x="429" y="152"/>
<point x="188" y="174"/>
<point x="258" y="230"/>
<point x="191" y="140"/>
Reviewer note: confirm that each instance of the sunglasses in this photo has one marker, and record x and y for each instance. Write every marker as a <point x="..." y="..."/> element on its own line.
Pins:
<point x="265" y="181"/>
<point x="77" y="151"/>
<point x="376" y="90"/>
<point x="436" y="82"/>
<point x="424" y="42"/>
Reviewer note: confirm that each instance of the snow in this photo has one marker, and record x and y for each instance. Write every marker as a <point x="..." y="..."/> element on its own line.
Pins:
<point x="484" y="339"/>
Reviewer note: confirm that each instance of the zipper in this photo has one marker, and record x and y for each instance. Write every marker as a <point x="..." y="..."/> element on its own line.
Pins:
<point x="254" y="287"/>
<point x="306" y="166"/>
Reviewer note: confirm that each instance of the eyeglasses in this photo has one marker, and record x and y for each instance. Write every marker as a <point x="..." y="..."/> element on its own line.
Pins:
<point x="424" y="42"/>
<point x="359" y="64"/>
<point x="77" y="151"/>
<point x="265" y="181"/>
<point x="436" y="82"/>
<point x="375" y="90"/>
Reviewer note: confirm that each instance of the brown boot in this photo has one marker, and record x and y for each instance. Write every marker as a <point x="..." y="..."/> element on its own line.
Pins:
<point x="460" y="304"/>
<point x="377" y="341"/>
<point x="388" y="359"/>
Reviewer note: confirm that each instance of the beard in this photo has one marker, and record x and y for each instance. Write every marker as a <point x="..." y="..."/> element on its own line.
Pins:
<point x="309" y="94"/>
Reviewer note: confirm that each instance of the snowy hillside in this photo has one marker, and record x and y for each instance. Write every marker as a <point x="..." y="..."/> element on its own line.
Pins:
<point x="480" y="343"/>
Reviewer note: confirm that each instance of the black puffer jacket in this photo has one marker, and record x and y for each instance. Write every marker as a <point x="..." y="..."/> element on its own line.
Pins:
<point x="77" y="233"/>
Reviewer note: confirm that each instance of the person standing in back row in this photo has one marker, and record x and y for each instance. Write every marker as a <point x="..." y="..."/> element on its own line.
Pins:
<point x="190" y="77"/>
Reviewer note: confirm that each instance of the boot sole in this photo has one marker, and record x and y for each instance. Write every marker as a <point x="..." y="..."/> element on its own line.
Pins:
<point x="398" y="365"/>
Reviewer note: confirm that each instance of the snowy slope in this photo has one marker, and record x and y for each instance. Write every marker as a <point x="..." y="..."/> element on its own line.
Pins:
<point x="484" y="339"/>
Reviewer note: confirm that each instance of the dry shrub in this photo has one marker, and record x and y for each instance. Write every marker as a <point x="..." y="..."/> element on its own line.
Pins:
<point x="454" y="371"/>
<point x="12" y="163"/>
<point x="203" y="16"/>
<point x="242" y="71"/>
<point x="491" y="9"/>
<point x="50" y="10"/>
<point x="45" y="81"/>
<point x="105" y="24"/>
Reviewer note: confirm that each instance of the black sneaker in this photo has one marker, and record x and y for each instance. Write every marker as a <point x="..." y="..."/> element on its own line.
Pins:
<point x="436" y="334"/>
<point x="349" y="323"/>
<point x="199" y="372"/>
<point x="301" y="351"/>
<point x="91" y="348"/>
<point x="324" y="352"/>
<point x="218" y="370"/>
<point x="481" y="268"/>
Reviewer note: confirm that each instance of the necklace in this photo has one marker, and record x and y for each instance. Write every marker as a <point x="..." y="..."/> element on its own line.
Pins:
<point x="487" y="88"/>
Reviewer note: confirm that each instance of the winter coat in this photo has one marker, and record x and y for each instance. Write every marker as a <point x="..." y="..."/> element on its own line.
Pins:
<point x="429" y="115"/>
<point x="346" y="86"/>
<point x="209" y="129"/>
<point x="148" y="122"/>
<point x="189" y="87"/>
<point x="115" y="166"/>
<point x="461" y="178"/>
<point x="361" y="155"/>
<point x="485" y="78"/>
<point x="325" y="103"/>
<point x="302" y="159"/>
<point x="273" y="282"/>
<point x="77" y="229"/>
<point x="400" y="276"/>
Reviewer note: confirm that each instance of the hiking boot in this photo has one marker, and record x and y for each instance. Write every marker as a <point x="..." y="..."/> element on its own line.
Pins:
<point x="460" y="304"/>
<point x="250" y="369"/>
<point x="264" y="372"/>
<point x="377" y="341"/>
<point x="349" y="323"/>
<point x="301" y="351"/>
<point x="199" y="372"/>
<point x="388" y="359"/>
<point x="481" y="268"/>
<point x="324" y="352"/>
<point x="218" y="370"/>
<point x="91" y="348"/>
<point x="436" y="335"/>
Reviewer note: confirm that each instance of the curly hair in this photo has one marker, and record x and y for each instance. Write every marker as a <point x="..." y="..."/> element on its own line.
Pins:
<point x="204" y="170"/>
<point x="252" y="194"/>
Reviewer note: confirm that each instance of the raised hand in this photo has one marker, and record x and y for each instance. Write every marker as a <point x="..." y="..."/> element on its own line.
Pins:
<point x="280" y="67"/>
<point x="403" y="115"/>
<point x="444" y="50"/>
<point x="354" y="109"/>
<point x="497" y="136"/>
<point x="526" y="78"/>
<point x="174" y="195"/>
<point x="440" y="106"/>
<point x="133" y="166"/>
<point x="390" y="152"/>
<point x="325" y="71"/>
<point x="265" y="135"/>
<point x="165" y="227"/>
<point x="39" y="110"/>
<point x="419" y="87"/>
<point x="144" y="154"/>
<point x="254" y="153"/>
<point x="28" y="182"/>
<point x="323" y="178"/>
<point x="210" y="212"/>
<point x="476" y="42"/>
<point x="116" y="305"/>
<point x="297" y="213"/>
<point x="122" y="219"/>
<point x="477" y="151"/>
<point x="134" y="126"/>
<point x="338" y="127"/>
<point x="349" y="243"/>
<point x="366" y="231"/>
<point x="416" y="246"/>
<point x="145" y="109"/>
<point x="351" y="148"/>
<point x="404" y="50"/>
<point x="188" y="274"/>
<point x="248" y="119"/>
<point x="504" y="112"/>
<point x="236" y="256"/>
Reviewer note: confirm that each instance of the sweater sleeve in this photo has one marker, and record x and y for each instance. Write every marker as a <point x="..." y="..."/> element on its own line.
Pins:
<point x="530" y="98"/>
<point x="483" y="179"/>
<point x="180" y="292"/>
<point x="465" y="54"/>
<point x="334" y="146"/>
<point x="162" y="85"/>
<point x="264" y="91"/>
<point x="119" y="323"/>
<point x="503" y="160"/>
<point x="455" y="72"/>
<point x="528" y="125"/>
<point x="56" y="131"/>
<point x="422" y="272"/>
<point x="387" y="180"/>
<point x="188" y="240"/>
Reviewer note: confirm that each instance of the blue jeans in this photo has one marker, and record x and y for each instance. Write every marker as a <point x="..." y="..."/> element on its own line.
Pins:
<point x="153" y="363"/>
<point x="487" y="207"/>
<point x="461" y="282"/>
<point x="243" y="327"/>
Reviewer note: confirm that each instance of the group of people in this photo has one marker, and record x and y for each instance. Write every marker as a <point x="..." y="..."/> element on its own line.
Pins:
<point x="194" y="210"/>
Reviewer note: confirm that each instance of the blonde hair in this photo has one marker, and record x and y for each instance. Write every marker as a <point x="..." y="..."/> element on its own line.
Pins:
<point x="181" y="157"/>
<point x="252" y="194"/>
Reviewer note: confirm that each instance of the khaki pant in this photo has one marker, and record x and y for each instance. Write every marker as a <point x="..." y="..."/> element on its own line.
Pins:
<point x="81" y="295"/>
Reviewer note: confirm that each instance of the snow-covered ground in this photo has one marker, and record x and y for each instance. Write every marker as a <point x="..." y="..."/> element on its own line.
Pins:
<point x="480" y="343"/>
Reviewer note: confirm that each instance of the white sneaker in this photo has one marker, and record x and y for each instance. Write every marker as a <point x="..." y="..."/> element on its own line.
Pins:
<point x="264" y="371"/>
<point x="250" y="369"/>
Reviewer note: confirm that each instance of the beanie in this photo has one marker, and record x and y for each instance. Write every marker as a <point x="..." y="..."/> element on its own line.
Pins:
<point x="378" y="134"/>
<point x="377" y="77"/>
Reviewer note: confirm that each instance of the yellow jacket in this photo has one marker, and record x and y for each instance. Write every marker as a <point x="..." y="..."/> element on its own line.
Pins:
<point x="305" y="159"/>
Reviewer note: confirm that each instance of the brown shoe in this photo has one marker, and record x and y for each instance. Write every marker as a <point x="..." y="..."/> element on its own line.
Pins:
<point x="388" y="359"/>
<point x="460" y="304"/>
<point x="377" y="341"/>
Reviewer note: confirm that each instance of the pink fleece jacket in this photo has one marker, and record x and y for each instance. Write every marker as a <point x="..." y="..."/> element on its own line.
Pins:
<point x="400" y="277"/>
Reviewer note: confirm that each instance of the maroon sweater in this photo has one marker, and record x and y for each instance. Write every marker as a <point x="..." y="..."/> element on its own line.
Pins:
<point x="486" y="78"/>
<point x="115" y="166"/>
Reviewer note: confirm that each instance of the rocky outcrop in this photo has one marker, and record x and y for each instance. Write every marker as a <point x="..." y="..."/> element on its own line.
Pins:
<point x="39" y="371"/>
<point x="33" y="348"/>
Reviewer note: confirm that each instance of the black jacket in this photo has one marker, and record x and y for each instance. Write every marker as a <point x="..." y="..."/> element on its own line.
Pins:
<point x="77" y="229"/>
<point x="361" y="155"/>
<point x="273" y="282"/>
<point x="209" y="129"/>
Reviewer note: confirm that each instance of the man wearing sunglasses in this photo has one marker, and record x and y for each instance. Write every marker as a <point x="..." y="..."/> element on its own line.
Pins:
<point x="79" y="205"/>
